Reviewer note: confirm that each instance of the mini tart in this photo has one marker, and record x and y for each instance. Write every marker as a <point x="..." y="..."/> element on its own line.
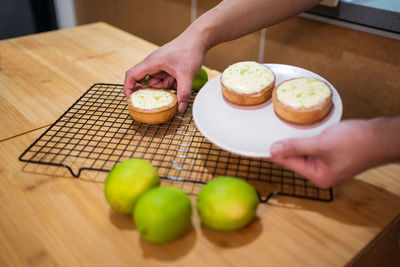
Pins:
<point x="247" y="83"/>
<point x="302" y="100"/>
<point x="152" y="106"/>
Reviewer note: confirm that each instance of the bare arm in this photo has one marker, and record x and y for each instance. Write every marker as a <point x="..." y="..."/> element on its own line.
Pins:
<point x="176" y="63"/>
<point x="232" y="19"/>
<point x="342" y="151"/>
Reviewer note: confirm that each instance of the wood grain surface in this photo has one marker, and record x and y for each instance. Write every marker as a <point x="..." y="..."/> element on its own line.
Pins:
<point x="49" y="218"/>
<point x="42" y="75"/>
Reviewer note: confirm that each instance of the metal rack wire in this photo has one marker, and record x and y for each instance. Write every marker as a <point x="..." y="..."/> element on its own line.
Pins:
<point x="97" y="132"/>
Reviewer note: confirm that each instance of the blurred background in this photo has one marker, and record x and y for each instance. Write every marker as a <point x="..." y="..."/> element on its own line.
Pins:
<point x="356" y="38"/>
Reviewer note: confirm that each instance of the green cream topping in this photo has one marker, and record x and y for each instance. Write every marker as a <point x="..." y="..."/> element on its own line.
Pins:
<point x="247" y="77"/>
<point x="150" y="98"/>
<point x="303" y="92"/>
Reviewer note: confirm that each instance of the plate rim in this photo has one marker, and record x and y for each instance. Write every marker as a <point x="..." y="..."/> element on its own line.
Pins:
<point x="338" y="105"/>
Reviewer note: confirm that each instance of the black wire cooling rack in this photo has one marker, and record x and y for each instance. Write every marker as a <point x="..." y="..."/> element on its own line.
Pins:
<point x="97" y="132"/>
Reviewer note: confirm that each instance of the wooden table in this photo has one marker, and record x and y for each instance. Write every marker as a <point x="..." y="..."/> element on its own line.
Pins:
<point x="49" y="218"/>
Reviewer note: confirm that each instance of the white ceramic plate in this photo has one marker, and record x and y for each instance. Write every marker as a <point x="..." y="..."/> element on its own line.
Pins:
<point x="250" y="131"/>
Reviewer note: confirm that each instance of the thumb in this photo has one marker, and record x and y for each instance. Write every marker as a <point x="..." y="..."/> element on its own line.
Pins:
<point x="184" y="92"/>
<point x="295" y="147"/>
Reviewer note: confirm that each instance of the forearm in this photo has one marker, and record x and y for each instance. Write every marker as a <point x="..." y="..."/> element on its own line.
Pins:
<point x="385" y="140"/>
<point x="234" y="18"/>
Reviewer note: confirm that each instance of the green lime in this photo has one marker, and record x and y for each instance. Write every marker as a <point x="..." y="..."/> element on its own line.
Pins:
<point x="227" y="203"/>
<point x="127" y="181"/>
<point x="200" y="79"/>
<point x="146" y="80"/>
<point x="163" y="214"/>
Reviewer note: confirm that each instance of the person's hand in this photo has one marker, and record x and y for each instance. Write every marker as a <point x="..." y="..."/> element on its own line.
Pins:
<point x="339" y="153"/>
<point x="174" y="65"/>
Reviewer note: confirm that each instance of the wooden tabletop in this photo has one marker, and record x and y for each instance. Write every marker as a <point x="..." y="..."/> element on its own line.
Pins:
<point x="49" y="218"/>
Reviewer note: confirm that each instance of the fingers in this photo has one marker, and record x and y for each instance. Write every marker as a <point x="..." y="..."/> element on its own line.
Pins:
<point x="169" y="82"/>
<point x="296" y="154"/>
<point x="166" y="82"/>
<point x="297" y="164"/>
<point x="184" y="91"/>
<point x="137" y="73"/>
<point x="129" y="83"/>
<point x="295" y="147"/>
<point x="312" y="168"/>
<point x="139" y="86"/>
<point x="305" y="157"/>
<point x="160" y="75"/>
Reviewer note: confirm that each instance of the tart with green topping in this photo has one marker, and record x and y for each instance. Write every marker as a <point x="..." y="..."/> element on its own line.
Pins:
<point x="152" y="106"/>
<point x="302" y="100"/>
<point x="247" y="83"/>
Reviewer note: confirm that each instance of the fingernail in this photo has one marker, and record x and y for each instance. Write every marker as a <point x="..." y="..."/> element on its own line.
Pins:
<point x="276" y="149"/>
<point x="182" y="107"/>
